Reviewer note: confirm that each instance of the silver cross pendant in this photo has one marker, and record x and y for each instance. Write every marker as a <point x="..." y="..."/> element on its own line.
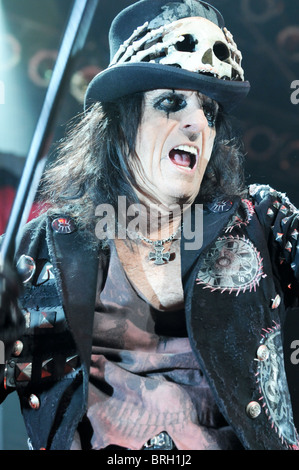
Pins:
<point x="158" y="256"/>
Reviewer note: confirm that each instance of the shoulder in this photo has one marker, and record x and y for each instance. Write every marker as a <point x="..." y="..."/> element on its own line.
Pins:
<point x="265" y="194"/>
<point x="273" y="208"/>
<point x="31" y="230"/>
<point x="35" y="225"/>
<point x="32" y="236"/>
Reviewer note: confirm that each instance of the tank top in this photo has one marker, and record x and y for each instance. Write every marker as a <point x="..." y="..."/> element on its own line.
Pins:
<point x="144" y="378"/>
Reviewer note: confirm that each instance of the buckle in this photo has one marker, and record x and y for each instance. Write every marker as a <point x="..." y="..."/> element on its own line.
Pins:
<point x="161" y="441"/>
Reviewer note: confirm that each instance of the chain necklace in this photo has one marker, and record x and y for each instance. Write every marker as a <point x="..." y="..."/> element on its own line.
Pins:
<point x="159" y="256"/>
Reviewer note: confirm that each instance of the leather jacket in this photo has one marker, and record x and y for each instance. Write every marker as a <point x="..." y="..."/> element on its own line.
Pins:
<point x="240" y="286"/>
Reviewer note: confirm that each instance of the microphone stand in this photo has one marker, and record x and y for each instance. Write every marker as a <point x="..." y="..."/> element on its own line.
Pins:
<point x="73" y="40"/>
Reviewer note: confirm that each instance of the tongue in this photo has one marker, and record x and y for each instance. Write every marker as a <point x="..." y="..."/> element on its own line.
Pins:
<point x="180" y="158"/>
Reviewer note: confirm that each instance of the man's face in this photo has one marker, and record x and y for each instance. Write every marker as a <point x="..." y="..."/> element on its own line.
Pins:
<point x="174" y="145"/>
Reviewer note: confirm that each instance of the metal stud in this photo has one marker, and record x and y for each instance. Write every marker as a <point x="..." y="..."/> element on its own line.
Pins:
<point x="47" y="319"/>
<point x="262" y="353"/>
<point x="253" y="409"/>
<point x="17" y="348"/>
<point x="26" y="268"/>
<point x="23" y="371"/>
<point x="294" y="234"/>
<point x="270" y="213"/>
<point x="71" y="363"/>
<point x="284" y="210"/>
<point x="34" y="402"/>
<point x="279" y="237"/>
<point x="47" y="368"/>
<point x="289" y="246"/>
<point x="46" y="274"/>
<point x="276" y="301"/>
<point x="63" y="225"/>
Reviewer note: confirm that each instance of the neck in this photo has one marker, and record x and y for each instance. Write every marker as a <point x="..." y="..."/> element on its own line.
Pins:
<point x="155" y="222"/>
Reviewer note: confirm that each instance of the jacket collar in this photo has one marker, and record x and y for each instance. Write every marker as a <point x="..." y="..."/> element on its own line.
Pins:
<point x="76" y="267"/>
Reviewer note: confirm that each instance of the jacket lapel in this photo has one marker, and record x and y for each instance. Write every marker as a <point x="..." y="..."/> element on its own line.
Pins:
<point x="75" y="266"/>
<point x="225" y="332"/>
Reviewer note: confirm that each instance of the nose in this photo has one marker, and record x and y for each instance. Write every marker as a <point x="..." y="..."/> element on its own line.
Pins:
<point x="193" y="124"/>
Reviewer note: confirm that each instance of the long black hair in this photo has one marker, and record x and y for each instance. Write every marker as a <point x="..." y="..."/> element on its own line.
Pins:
<point x="92" y="163"/>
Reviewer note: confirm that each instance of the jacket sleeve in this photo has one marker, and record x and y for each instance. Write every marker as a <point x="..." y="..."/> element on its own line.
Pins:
<point x="280" y="219"/>
<point x="12" y="322"/>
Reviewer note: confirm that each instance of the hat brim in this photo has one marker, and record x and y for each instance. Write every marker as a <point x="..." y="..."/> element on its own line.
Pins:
<point x="124" y="79"/>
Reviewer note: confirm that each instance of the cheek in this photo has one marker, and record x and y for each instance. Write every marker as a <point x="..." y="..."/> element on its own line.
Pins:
<point x="143" y="161"/>
<point x="149" y="142"/>
<point x="142" y="144"/>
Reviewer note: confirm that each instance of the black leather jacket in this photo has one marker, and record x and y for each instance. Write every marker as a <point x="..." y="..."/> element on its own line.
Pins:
<point x="239" y="286"/>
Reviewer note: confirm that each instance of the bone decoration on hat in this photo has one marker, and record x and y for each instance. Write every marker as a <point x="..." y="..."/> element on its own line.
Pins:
<point x="194" y="44"/>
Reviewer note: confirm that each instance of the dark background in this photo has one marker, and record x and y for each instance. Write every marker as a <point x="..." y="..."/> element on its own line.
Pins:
<point x="266" y="31"/>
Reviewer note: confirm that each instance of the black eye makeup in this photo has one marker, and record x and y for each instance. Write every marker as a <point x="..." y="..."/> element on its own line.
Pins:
<point x="210" y="108"/>
<point x="170" y="102"/>
<point x="173" y="102"/>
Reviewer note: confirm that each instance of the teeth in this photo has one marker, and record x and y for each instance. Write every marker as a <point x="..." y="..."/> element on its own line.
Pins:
<point x="187" y="148"/>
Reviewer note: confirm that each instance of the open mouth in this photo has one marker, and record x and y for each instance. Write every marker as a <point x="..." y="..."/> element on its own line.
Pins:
<point x="184" y="156"/>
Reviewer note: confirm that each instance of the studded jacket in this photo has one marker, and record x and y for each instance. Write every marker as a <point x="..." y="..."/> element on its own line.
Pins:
<point x="240" y="295"/>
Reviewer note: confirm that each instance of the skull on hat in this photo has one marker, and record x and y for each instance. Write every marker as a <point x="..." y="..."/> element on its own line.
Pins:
<point x="194" y="44"/>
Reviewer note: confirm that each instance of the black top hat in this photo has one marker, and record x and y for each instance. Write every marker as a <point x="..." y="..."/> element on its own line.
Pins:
<point x="134" y="74"/>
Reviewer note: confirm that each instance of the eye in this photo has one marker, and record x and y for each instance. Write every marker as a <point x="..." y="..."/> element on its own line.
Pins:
<point x="170" y="103"/>
<point x="210" y="111"/>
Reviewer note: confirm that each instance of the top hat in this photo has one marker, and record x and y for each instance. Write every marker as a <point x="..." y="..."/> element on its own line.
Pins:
<point x="181" y="44"/>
